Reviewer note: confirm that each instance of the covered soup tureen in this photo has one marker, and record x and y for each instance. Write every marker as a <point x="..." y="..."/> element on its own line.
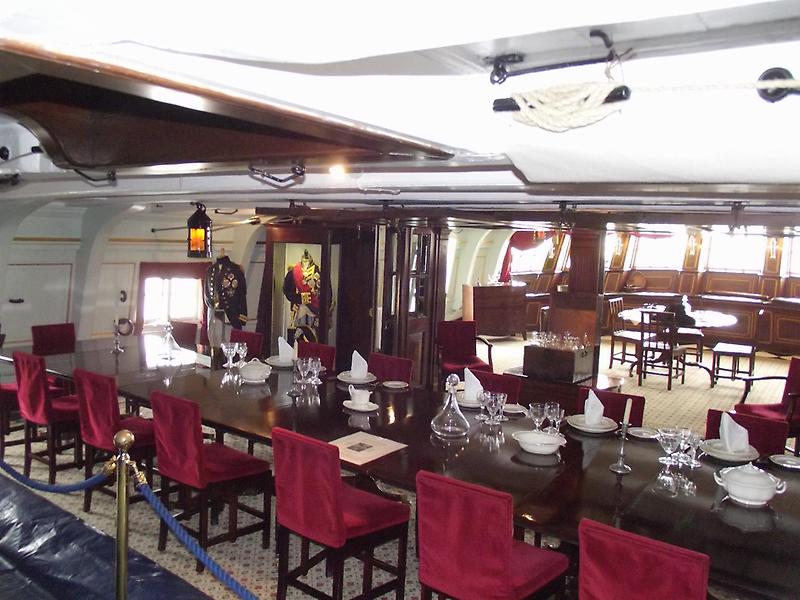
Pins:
<point x="749" y="485"/>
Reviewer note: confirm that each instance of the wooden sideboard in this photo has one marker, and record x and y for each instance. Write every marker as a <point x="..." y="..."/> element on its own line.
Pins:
<point x="499" y="309"/>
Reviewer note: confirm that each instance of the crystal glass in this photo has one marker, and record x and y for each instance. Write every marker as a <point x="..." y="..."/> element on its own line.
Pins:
<point x="694" y="440"/>
<point x="501" y="401"/>
<point x="315" y="365"/>
<point x="241" y="350"/>
<point x="492" y="401"/>
<point x="553" y="413"/>
<point x="450" y="422"/>
<point x="228" y="351"/>
<point x="670" y="439"/>
<point x="491" y="438"/>
<point x="681" y="456"/>
<point x="482" y="401"/>
<point x="537" y="414"/>
<point x="304" y="367"/>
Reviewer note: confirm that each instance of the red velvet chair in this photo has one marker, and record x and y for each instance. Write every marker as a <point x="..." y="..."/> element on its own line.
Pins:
<point x="625" y="566"/>
<point x="213" y="471"/>
<point x="59" y="414"/>
<point x="467" y="549"/>
<point x="185" y="334"/>
<point x="786" y="409"/>
<point x="614" y="405"/>
<point x="326" y="354"/>
<point x="456" y="343"/>
<point x="510" y="385"/>
<point x="8" y="404"/>
<point x="390" y="368"/>
<point x="98" y="408"/>
<point x="254" y="341"/>
<point x="58" y="338"/>
<point x="314" y="503"/>
<point x="768" y="436"/>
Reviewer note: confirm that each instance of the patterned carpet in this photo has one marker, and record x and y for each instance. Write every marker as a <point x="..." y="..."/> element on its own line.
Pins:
<point x="256" y="568"/>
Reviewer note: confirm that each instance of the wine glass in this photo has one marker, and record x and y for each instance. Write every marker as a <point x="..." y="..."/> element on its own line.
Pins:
<point x="229" y="351"/>
<point x="555" y="415"/>
<point x="241" y="350"/>
<point x="694" y="440"/>
<point x="482" y="401"/>
<point x="501" y="400"/>
<point x="315" y="365"/>
<point x="492" y="406"/>
<point x="537" y="415"/>
<point x="303" y="366"/>
<point x="670" y="439"/>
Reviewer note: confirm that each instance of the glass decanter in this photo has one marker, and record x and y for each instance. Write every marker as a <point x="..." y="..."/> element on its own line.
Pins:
<point x="450" y="422"/>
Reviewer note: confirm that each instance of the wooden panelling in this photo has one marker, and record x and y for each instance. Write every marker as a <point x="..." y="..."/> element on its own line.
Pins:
<point x="613" y="281"/>
<point x="687" y="280"/>
<point x="792" y="287"/>
<point x="716" y="282"/>
<point x="770" y="286"/>
<point x="499" y="309"/>
<point x="659" y="281"/>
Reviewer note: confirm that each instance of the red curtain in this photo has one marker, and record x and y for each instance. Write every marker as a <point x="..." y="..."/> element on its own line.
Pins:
<point x="521" y="240"/>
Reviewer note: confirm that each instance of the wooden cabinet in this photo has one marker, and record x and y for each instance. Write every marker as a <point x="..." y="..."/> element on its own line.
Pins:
<point x="499" y="309"/>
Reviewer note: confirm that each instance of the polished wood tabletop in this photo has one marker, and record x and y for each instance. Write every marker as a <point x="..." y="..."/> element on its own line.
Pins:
<point x="751" y="549"/>
<point x="703" y="319"/>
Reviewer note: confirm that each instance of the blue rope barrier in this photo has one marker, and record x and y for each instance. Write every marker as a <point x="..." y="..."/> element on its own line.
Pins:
<point x="185" y="538"/>
<point x="93" y="481"/>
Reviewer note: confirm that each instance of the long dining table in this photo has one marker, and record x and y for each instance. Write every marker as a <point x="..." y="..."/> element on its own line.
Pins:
<point x="751" y="549"/>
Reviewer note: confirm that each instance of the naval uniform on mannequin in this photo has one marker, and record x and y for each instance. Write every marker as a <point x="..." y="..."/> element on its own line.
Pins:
<point x="226" y="291"/>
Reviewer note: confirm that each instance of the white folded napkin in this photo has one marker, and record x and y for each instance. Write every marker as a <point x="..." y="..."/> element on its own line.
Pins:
<point x="472" y="387"/>
<point x="285" y="351"/>
<point x="593" y="409"/>
<point x="359" y="396"/>
<point x="734" y="437"/>
<point x="358" y="366"/>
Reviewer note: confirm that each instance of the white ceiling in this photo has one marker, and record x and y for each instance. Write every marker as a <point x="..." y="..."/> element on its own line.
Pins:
<point x="418" y="69"/>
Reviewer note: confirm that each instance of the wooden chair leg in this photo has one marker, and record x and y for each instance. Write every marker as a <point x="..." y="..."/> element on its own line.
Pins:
<point x="267" y="508"/>
<point x="336" y="562"/>
<point x="233" y="517"/>
<point x="366" y="578"/>
<point x="203" y="526"/>
<point x="88" y="467"/>
<point x="282" y="548"/>
<point x="250" y="446"/>
<point x="51" y="453"/>
<point x="402" y="549"/>
<point x="425" y="593"/>
<point x="162" y="531"/>
<point x="26" y="469"/>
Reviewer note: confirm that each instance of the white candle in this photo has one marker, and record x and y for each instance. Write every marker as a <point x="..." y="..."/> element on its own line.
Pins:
<point x="627" y="416"/>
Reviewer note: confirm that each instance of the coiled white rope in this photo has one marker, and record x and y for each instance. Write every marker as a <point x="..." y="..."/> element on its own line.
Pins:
<point x="564" y="107"/>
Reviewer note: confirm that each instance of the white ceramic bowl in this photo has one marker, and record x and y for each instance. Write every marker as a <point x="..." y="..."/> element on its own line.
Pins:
<point x="255" y="370"/>
<point x="749" y="485"/>
<point x="539" y="442"/>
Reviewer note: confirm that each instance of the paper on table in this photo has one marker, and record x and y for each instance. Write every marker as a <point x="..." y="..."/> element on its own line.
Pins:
<point x="472" y="387"/>
<point x="593" y="409"/>
<point x="360" y="448"/>
<point x="359" y="396"/>
<point x="358" y="366"/>
<point x="285" y="351"/>
<point x="734" y="437"/>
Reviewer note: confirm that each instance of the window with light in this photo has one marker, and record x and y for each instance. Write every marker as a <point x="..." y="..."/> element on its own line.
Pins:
<point x="178" y="298"/>
<point x="660" y="250"/>
<point x="742" y="249"/>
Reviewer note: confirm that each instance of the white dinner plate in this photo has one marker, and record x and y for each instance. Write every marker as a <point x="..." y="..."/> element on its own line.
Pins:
<point x="368" y="407"/>
<point x="345" y="376"/>
<point x="643" y="433"/>
<point x="716" y="449"/>
<point x="395" y="385"/>
<point x="514" y="409"/>
<point x="275" y="361"/>
<point x="786" y="461"/>
<point x="606" y="425"/>
<point x="466" y="403"/>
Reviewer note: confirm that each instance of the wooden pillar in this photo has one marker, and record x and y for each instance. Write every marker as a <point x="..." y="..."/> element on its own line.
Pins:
<point x="579" y="310"/>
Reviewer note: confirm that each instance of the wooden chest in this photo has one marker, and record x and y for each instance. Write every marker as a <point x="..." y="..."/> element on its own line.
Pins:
<point x="552" y="364"/>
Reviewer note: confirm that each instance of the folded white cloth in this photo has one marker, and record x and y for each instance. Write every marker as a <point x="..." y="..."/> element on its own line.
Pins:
<point x="285" y="351"/>
<point x="359" y="396"/>
<point x="358" y="366"/>
<point x="593" y="409"/>
<point x="734" y="437"/>
<point x="472" y="387"/>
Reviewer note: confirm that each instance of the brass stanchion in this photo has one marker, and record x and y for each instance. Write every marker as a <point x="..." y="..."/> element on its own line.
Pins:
<point x="123" y="440"/>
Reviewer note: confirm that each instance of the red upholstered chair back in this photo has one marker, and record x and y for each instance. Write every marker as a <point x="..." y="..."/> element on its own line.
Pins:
<point x="614" y="405"/>
<point x="390" y="368"/>
<point x="464" y="538"/>
<point x="456" y="339"/>
<point x="58" y="338"/>
<point x="32" y="387"/>
<point x="254" y="341"/>
<point x="510" y="385"/>
<point x="308" y="487"/>
<point x="179" y="439"/>
<point x="792" y="386"/>
<point x="98" y="408"/>
<point x="625" y="566"/>
<point x="185" y="334"/>
<point x="326" y="354"/>
<point x="768" y="436"/>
